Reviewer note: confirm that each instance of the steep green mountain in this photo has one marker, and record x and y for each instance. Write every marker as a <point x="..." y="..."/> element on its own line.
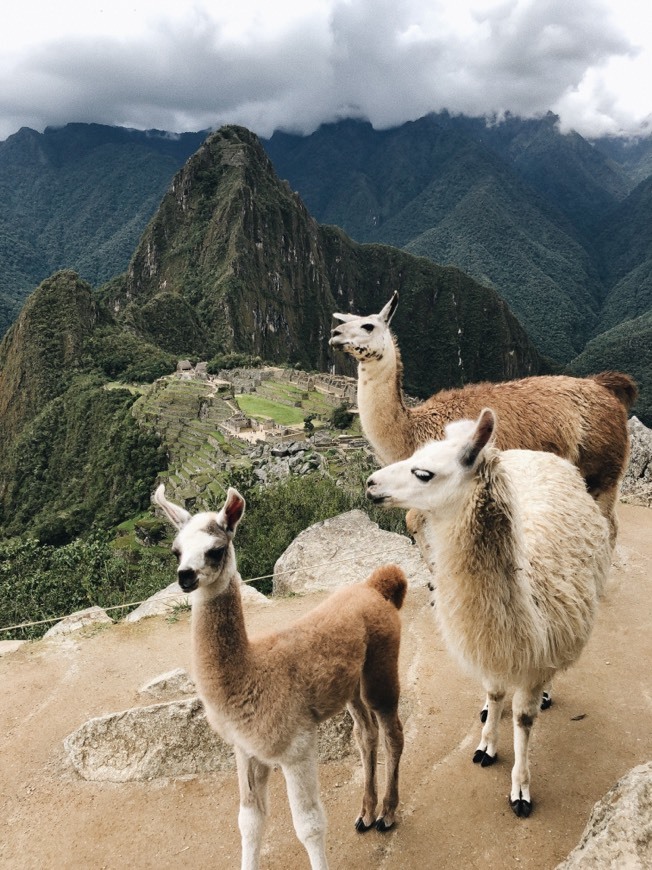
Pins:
<point x="232" y="261"/>
<point x="78" y="197"/>
<point x="633" y="156"/>
<point x="71" y="453"/>
<point x="625" y="244"/>
<point x="566" y="170"/>
<point x="43" y="349"/>
<point x="430" y="187"/>
<point x="514" y="203"/>
<point x="628" y="347"/>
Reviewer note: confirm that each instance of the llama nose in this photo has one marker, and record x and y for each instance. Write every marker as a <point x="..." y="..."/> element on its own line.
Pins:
<point x="375" y="497"/>
<point x="187" y="578"/>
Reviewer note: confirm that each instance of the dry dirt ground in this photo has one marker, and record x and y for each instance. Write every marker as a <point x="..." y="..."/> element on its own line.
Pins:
<point x="452" y="814"/>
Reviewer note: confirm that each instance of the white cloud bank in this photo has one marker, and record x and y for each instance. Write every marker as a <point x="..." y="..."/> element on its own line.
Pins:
<point x="298" y="63"/>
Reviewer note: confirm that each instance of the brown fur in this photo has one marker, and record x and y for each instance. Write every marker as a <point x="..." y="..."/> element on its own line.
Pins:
<point x="267" y="695"/>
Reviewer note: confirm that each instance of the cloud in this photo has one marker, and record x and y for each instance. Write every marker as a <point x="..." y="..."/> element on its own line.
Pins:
<point x="385" y="61"/>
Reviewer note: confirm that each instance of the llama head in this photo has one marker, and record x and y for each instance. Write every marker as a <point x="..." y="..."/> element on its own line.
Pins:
<point x="203" y="544"/>
<point x="365" y="338"/>
<point x="439" y="475"/>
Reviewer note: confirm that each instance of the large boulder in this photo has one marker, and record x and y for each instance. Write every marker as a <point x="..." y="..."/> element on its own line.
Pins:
<point x="637" y="483"/>
<point x="170" y="740"/>
<point x="164" y="602"/>
<point x="619" y="830"/>
<point x="80" y="619"/>
<point x="344" y="550"/>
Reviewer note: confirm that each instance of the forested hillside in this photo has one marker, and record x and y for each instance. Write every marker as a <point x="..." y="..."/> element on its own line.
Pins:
<point x="78" y="197"/>
<point x="232" y="263"/>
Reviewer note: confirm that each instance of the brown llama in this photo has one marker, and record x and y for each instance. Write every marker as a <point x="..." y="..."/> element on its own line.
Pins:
<point x="583" y="420"/>
<point x="266" y="696"/>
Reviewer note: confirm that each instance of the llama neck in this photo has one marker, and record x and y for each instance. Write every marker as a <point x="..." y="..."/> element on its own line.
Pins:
<point x="220" y="646"/>
<point x="384" y="417"/>
<point x="483" y="600"/>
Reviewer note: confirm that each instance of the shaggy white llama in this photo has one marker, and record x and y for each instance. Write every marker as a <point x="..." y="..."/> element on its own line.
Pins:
<point x="523" y="554"/>
<point x="266" y="696"/>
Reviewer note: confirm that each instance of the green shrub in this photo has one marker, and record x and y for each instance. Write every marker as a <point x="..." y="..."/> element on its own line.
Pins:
<point x="233" y="361"/>
<point x="341" y="418"/>
<point x="40" y="581"/>
<point x="126" y="357"/>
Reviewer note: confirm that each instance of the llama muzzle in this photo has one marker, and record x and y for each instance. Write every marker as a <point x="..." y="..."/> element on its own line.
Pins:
<point x="187" y="579"/>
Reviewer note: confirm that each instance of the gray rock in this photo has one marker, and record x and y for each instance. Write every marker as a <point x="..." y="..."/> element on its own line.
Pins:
<point x="164" y="601"/>
<point x="618" y="835"/>
<point x="177" y="682"/>
<point x="636" y="486"/>
<point x="170" y="740"/>
<point x="160" y="604"/>
<point x="344" y="550"/>
<point x="80" y="619"/>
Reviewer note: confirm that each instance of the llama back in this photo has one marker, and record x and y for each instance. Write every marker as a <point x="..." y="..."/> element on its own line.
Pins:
<point x="553" y="506"/>
<point x="551" y="413"/>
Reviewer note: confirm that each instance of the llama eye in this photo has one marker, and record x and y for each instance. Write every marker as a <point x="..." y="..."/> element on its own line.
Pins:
<point x="215" y="553"/>
<point x="423" y="475"/>
<point x="177" y="555"/>
<point x="368" y="327"/>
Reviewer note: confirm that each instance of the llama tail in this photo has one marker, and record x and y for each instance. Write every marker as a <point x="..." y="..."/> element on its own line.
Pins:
<point x="621" y="385"/>
<point x="391" y="582"/>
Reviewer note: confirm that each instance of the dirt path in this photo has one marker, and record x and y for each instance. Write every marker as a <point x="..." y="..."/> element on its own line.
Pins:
<point x="453" y="815"/>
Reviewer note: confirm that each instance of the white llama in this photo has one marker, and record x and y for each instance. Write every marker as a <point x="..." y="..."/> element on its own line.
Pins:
<point x="266" y="696"/>
<point x="523" y="553"/>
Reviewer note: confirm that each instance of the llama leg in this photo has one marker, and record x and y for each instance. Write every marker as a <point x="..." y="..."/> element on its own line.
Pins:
<point x="307" y="812"/>
<point x="546" y="701"/>
<point x="380" y="689"/>
<point x="393" y="738"/>
<point x="252" y="779"/>
<point x="365" y="730"/>
<point x="525" y="707"/>
<point x="487" y="751"/>
<point x="607" y="499"/>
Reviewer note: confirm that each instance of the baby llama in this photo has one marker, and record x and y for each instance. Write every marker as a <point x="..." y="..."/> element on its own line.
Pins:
<point x="267" y="695"/>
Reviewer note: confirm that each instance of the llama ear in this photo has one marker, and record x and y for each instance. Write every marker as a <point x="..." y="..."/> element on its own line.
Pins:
<point x="344" y="317"/>
<point x="178" y="516"/>
<point x="233" y="509"/>
<point x="387" y="312"/>
<point x="480" y="437"/>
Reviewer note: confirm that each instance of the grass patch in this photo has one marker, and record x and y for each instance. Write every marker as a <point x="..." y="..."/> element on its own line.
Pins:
<point x="265" y="409"/>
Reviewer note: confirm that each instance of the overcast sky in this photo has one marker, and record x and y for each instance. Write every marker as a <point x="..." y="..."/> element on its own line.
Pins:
<point x="293" y="64"/>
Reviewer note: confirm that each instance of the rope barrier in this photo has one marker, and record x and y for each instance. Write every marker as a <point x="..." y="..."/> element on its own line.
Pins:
<point x="329" y="564"/>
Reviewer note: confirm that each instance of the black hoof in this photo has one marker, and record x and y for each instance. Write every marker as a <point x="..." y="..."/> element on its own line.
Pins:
<point x="360" y="825"/>
<point x="546" y="701"/>
<point x="521" y="808"/>
<point x="480" y="757"/>
<point x="382" y="826"/>
<point x="483" y="714"/>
